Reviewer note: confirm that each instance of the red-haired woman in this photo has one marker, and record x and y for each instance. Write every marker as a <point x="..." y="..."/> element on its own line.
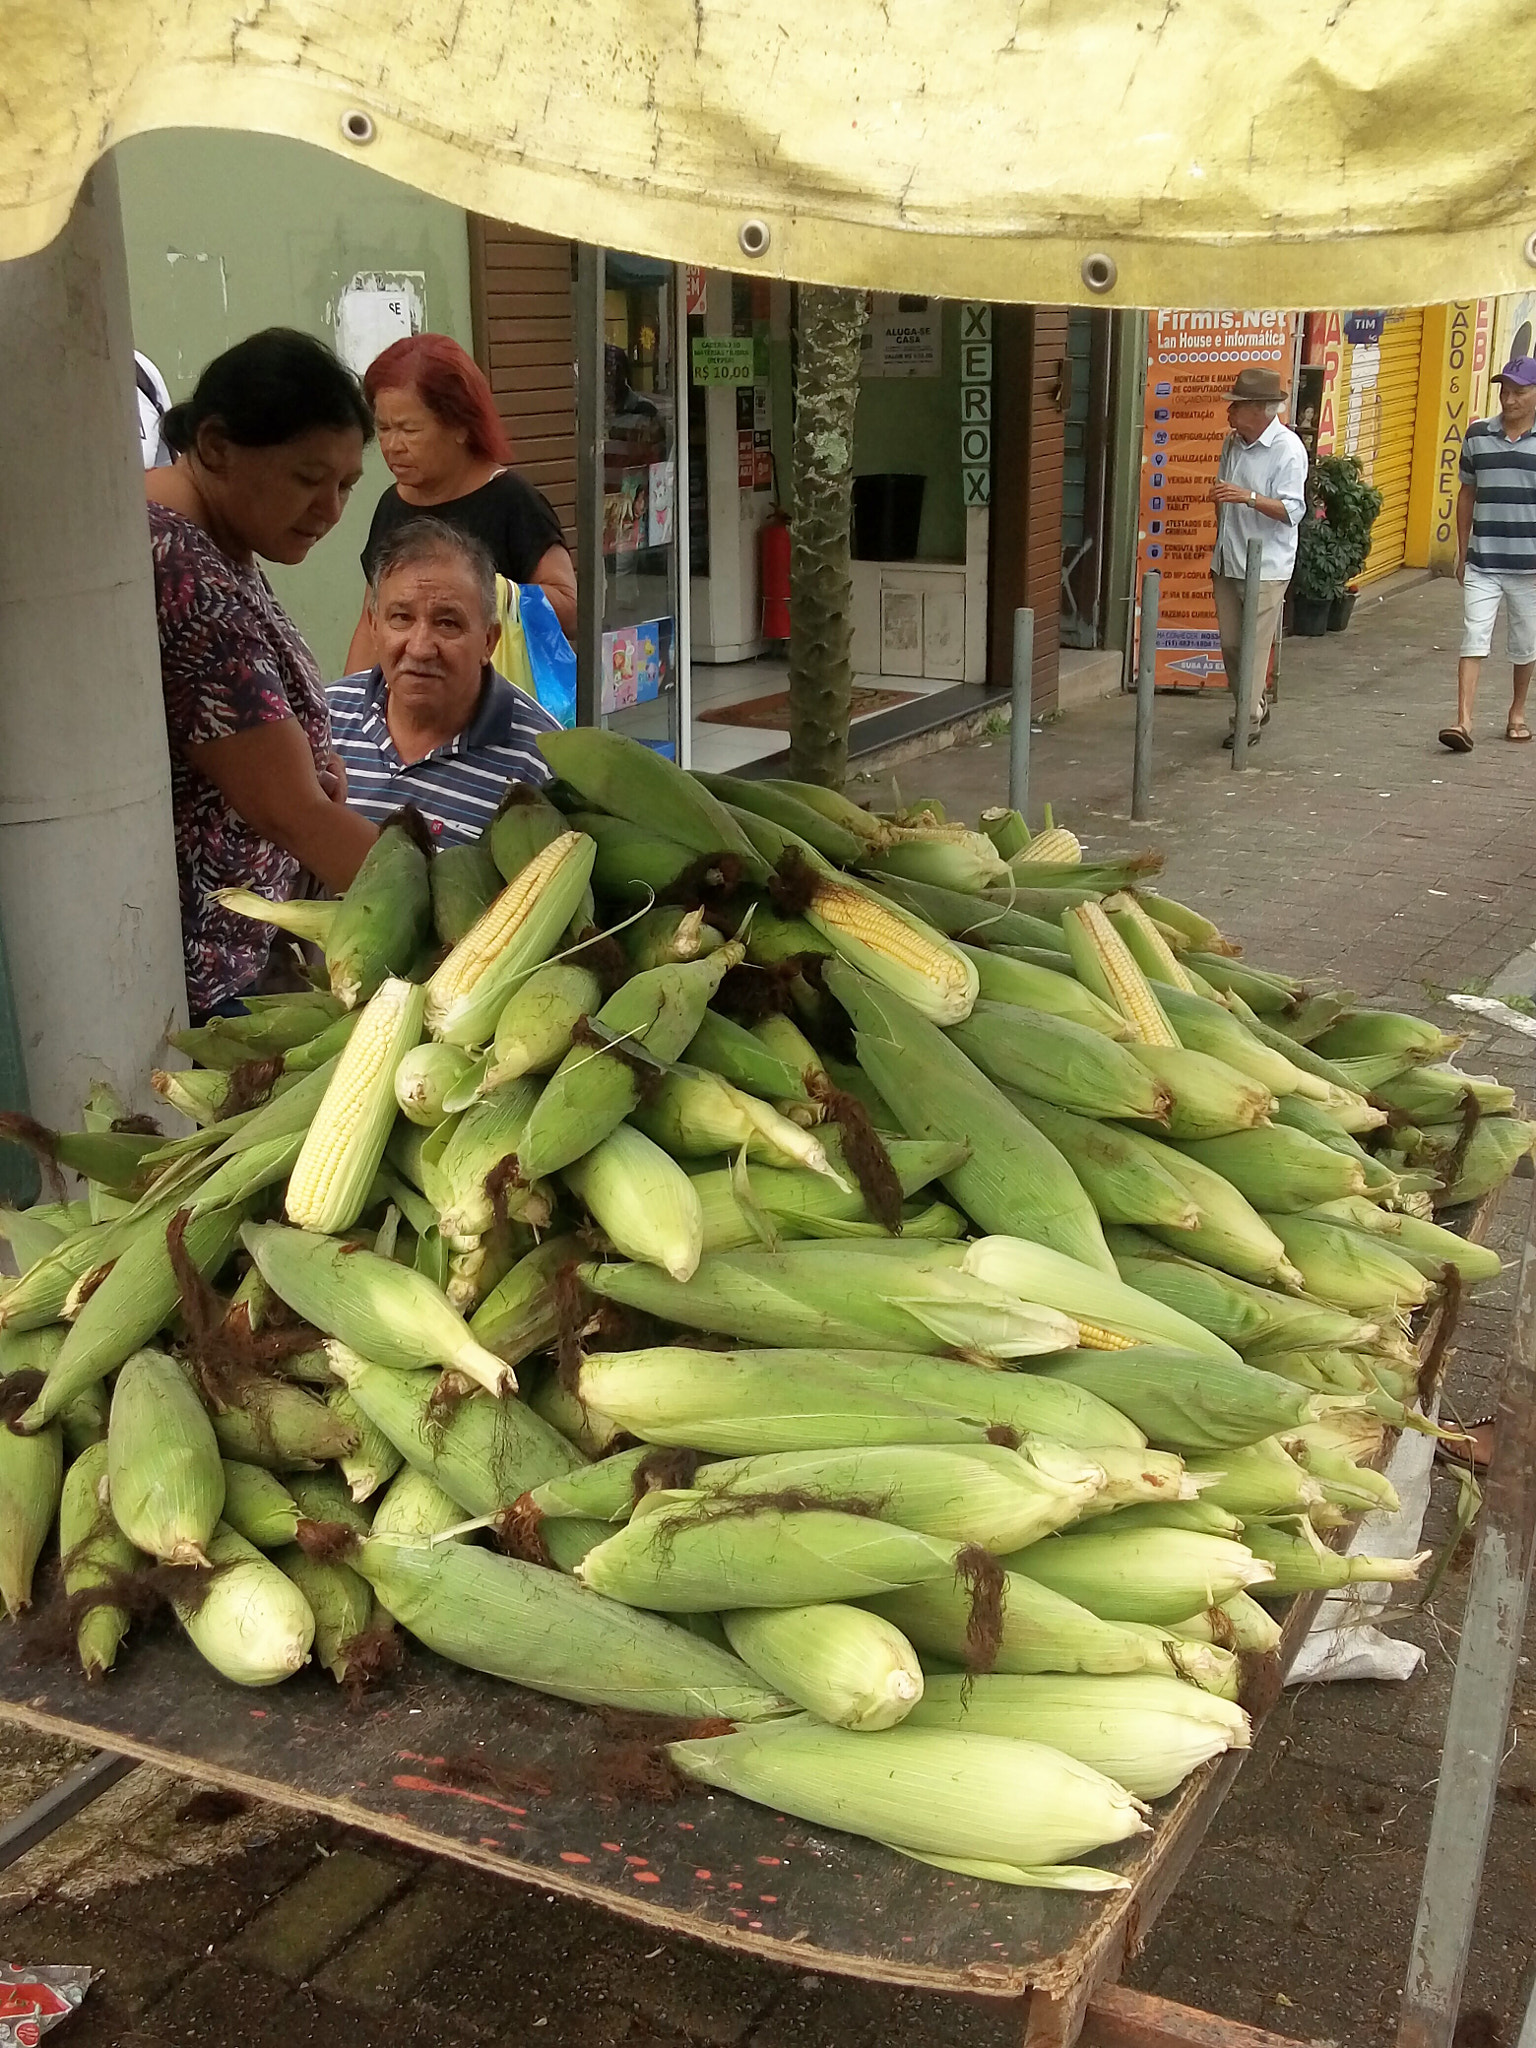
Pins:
<point x="440" y="434"/>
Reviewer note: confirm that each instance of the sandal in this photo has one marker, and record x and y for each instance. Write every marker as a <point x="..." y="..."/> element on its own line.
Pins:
<point x="1456" y="739"/>
<point x="1473" y="1457"/>
<point x="1518" y="733"/>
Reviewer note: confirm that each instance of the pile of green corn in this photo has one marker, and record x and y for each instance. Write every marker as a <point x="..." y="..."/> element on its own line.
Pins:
<point x="902" y="1291"/>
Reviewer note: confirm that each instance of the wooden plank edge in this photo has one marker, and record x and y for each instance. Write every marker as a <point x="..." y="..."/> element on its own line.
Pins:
<point x="985" y="1980"/>
<point x="1133" y="2019"/>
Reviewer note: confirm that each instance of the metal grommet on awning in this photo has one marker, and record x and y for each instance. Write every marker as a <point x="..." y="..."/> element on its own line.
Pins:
<point x="1528" y="249"/>
<point x="357" y="126"/>
<point x="754" y="237"/>
<point x="1099" y="272"/>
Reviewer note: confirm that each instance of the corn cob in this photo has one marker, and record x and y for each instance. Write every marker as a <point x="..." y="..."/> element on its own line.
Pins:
<point x="1205" y="1026"/>
<point x="1435" y="1094"/>
<point x="1144" y="1731"/>
<point x="533" y="1032"/>
<point x="385" y="918"/>
<point x="1422" y="1244"/>
<point x="1118" y="1168"/>
<point x="742" y="1402"/>
<point x="738" y="1201"/>
<point x="482" y="1451"/>
<point x="1056" y="843"/>
<point x="310" y="921"/>
<point x="465" y="881"/>
<point x="129" y="1306"/>
<point x="1189" y="1404"/>
<point x="281" y="1426"/>
<point x="775" y="802"/>
<point x="1363" y="1033"/>
<point x="1207" y="1097"/>
<point x="1265" y="992"/>
<point x="345" y="1143"/>
<point x="950" y="858"/>
<point x="844" y="1665"/>
<point x="1103" y="963"/>
<point x="592" y="1090"/>
<point x="972" y="1493"/>
<point x="642" y="1200"/>
<point x="668" y="932"/>
<point x="1015" y="1181"/>
<point x="375" y="1460"/>
<point x="1355" y="1273"/>
<point x="1261" y="1479"/>
<point x="1196" y="929"/>
<point x="31" y="1473"/>
<point x="1147" y="946"/>
<point x="163" y="1468"/>
<point x="516" y="934"/>
<point x="520" y="1315"/>
<point x="542" y="1630"/>
<point x="895" y="949"/>
<point x="996" y="919"/>
<point x="1245" y="1315"/>
<point x="95" y="1553"/>
<point x="248" y="1621"/>
<point x="342" y="1604"/>
<point x="1069" y="1064"/>
<point x="1304" y="1565"/>
<point x="1150" y="1575"/>
<point x="463" y="1177"/>
<point x="695" y="1114"/>
<point x="413" y="1505"/>
<point x="394" y="1316"/>
<point x="802" y="1294"/>
<point x="750" y="1061"/>
<point x="258" y="1506"/>
<point x="424" y="1076"/>
<point x="1014" y="1812"/>
<point x="1003" y="979"/>
<point x="616" y="774"/>
<point x="1044" y="1631"/>
<point x="1353" y="1488"/>
<point x="1098" y="1302"/>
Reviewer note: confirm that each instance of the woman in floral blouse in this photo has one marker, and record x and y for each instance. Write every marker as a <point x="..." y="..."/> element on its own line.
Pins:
<point x="268" y="449"/>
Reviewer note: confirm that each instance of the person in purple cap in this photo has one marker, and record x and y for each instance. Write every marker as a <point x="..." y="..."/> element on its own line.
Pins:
<point x="1496" y="548"/>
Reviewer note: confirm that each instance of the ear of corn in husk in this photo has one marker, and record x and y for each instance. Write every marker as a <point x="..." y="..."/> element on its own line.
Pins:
<point x="1003" y="978"/>
<point x="462" y="1173"/>
<point x="413" y="1505"/>
<point x="284" y="1427"/>
<point x="1148" y="1574"/>
<point x="1364" y="1033"/>
<point x="1238" y="1624"/>
<point x="948" y="858"/>
<point x="741" y="1402"/>
<point x="31" y="1473"/>
<point x="1014" y="1181"/>
<point x="342" y="1604"/>
<point x="464" y="882"/>
<point x="843" y="1664"/>
<point x="642" y="1200"/>
<point x="1248" y="1317"/>
<point x="95" y="1553"/>
<point x="543" y="1630"/>
<point x="833" y="838"/>
<point x="480" y="1450"/>
<point x="1102" y="961"/>
<point x="738" y="1199"/>
<point x="695" y="1114"/>
<point x="249" y="1621"/>
<point x="375" y="1460"/>
<point x="1302" y="1564"/>
<point x="258" y="1506"/>
<point x="666" y="933"/>
<point x="1060" y="1061"/>
<point x="374" y="1306"/>
<point x="1144" y="1731"/>
<point x="424" y="1076"/>
<point x="1035" y="1273"/>
<point x="1207" y="1098"/>
<point x="305" y="919"/>
<point x="1258" y="1479"/>
<point x="533" y="1032"/>
<point x="1352" y="1271"/>
<point x="385" y="918"/>
<point x="163" y="1468"/>
<point x="1187" y="1403"/>
<point x="1427" y="1246"/>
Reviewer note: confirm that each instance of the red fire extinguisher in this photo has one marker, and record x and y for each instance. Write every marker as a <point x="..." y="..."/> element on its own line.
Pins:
<point x="773" y="576"/>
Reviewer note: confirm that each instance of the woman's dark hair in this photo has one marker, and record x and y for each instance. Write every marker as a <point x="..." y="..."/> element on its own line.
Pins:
<point x="270" y="388"/>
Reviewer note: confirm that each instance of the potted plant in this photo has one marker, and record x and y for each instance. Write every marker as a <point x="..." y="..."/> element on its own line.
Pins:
<point x="1322" y="573"/>
<point x="1350" y="505"/>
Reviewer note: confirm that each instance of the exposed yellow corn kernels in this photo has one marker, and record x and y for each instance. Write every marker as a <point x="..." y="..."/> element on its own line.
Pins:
<point x="864" y="918"/>
<point x="1132" y="991"/>
<point x="1058" y="846"/>
<point x="1091" y="1337"/>
<point x="1156" y="945"/>
<point x="344" y="1143"/>
<point x="491" y="930"/>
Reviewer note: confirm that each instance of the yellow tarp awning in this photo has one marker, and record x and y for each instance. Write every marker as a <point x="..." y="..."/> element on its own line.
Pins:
<point x="1215" y="152"/>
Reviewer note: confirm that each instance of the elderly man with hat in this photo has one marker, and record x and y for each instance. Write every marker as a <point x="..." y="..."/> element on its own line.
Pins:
<point x="1496" y="548"/>
<point x="1260" y="493"/>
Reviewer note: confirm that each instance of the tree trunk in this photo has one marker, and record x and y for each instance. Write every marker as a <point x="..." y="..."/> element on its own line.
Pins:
<point x="820" y="581"/>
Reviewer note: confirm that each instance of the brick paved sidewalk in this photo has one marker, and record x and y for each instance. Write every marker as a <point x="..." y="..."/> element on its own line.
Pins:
<point x="1358" y="849"/>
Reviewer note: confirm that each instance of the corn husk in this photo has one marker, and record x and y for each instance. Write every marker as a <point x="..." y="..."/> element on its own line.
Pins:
<point x="163" y="1468"/>
<point x="844" y="1665"/>
<point x="249" y="1621"/>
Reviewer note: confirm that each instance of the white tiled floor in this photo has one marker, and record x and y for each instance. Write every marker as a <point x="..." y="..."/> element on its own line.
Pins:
<point x="722" y="748"/>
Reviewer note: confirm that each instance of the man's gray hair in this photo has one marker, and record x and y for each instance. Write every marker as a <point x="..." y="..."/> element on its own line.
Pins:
<point x="426" y="540"/>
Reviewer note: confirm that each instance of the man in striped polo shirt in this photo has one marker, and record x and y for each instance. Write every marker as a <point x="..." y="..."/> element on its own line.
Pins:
<point x="1496" y="548"/>
<point x="434" y="724"/>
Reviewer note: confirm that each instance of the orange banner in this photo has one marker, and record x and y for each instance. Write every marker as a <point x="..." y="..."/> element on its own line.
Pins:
<point x="1191" y="361"/>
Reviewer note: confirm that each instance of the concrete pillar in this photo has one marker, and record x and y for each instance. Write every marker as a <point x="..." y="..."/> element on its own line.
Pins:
<point x="88" y="895"/>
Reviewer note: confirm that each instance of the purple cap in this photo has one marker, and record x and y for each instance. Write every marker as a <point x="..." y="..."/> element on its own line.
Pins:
<point x="1518" y="370"/>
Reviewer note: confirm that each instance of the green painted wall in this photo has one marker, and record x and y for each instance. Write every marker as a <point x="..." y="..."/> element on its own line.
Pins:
<point x="913" y="424"/>
<point x="230" y="233"/>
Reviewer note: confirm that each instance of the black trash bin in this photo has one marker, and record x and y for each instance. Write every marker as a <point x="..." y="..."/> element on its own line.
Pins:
<point x="887" y="513"/>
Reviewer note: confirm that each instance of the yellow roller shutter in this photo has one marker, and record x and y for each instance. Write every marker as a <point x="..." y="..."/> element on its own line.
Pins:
<point x="1380" y="410"/>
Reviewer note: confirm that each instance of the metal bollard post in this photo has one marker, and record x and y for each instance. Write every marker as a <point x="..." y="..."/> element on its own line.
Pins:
<point x="1146" y="677"/>
<point x="1245" y="655"/>
<point x="1023" y="698"/>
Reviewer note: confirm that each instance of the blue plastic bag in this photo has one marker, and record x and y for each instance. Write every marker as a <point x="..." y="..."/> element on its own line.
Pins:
<point x="533" y="651"/>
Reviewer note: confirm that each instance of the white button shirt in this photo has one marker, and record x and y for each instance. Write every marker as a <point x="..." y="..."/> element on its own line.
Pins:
<point x="1276" y="467"/>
